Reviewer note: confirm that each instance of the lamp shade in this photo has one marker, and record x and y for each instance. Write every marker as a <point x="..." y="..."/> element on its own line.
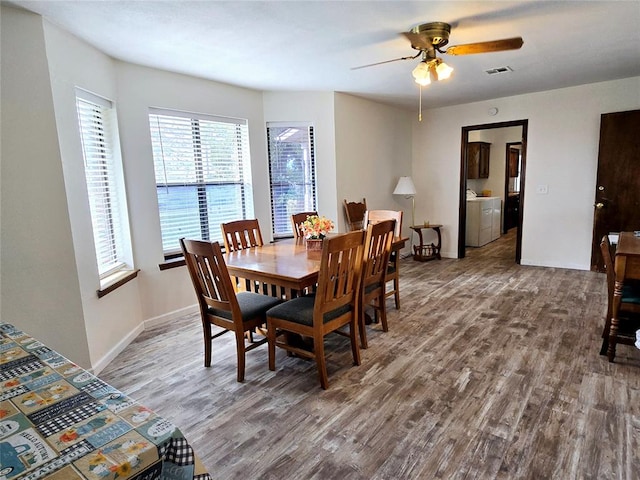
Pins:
<point x="405" y="186"/>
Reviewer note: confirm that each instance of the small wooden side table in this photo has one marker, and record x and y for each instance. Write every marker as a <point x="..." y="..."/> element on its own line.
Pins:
<point x="424" y="252"/>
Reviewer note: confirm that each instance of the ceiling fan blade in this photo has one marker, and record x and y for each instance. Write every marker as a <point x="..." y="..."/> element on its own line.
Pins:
<point x="485" y="47"/>
<point x="386" y="61"/>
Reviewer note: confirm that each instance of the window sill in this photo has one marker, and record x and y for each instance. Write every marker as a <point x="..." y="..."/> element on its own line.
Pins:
<point x="110" y="283"/>
<point x="172" y="263"/>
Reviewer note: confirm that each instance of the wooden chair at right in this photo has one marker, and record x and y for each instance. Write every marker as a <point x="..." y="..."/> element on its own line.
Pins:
<point x="241" y="313"/>
<point x="393" y="272"/>
<point x="629" y="312"/>
<point x="297" y="219"/>
<point x="377" y="249"/>
<point x="241" y="234"/>
<point x="355" y="214"/>
<point x="335" y="304"/>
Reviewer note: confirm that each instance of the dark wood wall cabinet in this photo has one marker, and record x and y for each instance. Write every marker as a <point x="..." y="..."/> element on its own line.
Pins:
<point x="478" y="159"/>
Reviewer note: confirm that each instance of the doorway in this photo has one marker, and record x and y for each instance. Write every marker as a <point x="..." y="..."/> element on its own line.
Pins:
<point x="464" y="174"/>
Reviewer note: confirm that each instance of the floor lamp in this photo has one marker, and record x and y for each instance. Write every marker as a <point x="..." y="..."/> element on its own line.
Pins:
<point x="406" y="187"/>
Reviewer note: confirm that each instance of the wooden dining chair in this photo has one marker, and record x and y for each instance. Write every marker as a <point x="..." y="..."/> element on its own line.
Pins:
<point x="628" y="313"/>
<point x="241" y="234"/>
<point x="241" y="313"/>
<point x="297" y="219"/>
<point x="354" y="212"/>
<point x="336" y="303"/>
<point x="375" y="262"/>
<point x="393" y="272"/>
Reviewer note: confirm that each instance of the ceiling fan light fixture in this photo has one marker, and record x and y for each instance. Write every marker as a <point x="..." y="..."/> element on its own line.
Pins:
<point x="421" y="74"/>
<point x="443" y="70"/>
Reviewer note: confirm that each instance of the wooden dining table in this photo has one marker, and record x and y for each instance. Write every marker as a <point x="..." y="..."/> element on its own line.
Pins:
<point x="282" y="269"/>
<point x="627" y="267"/>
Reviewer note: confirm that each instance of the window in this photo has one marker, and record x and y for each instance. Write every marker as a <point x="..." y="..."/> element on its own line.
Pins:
<point x="292" y="173"/>
<point x="105" y="183"/>
<point x="203" y="174"/>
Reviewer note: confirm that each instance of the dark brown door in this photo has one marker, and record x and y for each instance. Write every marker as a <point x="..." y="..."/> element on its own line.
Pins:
<point x="617" y="198"/>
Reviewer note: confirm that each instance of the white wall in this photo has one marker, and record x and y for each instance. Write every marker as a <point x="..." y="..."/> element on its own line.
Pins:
<point x="165" y="294"/>
<point x="49" y="266"/>
<point x="113" y="321"/>
<point x="40" y="287"/>
<point x="317" y="108"/>
<point x="562" y="153"/>
<point x="373" y="149"/>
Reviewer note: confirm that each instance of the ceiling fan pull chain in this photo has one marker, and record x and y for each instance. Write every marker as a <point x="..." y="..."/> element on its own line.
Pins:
<point x="420" y="103"/>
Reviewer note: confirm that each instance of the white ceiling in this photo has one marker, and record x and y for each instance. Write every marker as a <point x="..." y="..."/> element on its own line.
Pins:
<point x="312" y="45"/>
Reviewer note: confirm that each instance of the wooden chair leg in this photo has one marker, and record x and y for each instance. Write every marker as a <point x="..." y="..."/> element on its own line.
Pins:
<point x="396" y="286"/>
<point x="271" y="339"/>
<point x="383" y="312"/>
<point x="605" y="345"/>
<point x="206" y="328"/>
<point x="363" y="333"/>
<point x="318" y="348"/>
<point x="353" y="334"/>
<point x="241" y="355"/>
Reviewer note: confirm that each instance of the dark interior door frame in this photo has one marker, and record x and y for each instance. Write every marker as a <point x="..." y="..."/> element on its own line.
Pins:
<point x="507" y="171"/>
<point x="462" y="216"/>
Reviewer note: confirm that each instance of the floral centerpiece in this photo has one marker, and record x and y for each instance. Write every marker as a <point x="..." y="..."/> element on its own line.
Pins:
<point x="314" y="229"/>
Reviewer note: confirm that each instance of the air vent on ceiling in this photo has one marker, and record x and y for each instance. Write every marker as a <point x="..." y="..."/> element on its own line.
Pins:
<point x="494" y="71"/>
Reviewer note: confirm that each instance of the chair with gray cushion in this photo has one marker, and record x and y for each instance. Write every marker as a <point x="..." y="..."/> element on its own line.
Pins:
<point x="241" y="313"/>
<point x="377" y="249"/>
<point x="393" y="272"/>
<point x="335" y="304"/>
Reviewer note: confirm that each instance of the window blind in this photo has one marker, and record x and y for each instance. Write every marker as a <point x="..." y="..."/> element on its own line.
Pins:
<point x="202" y="174"/>
<point x="292" y="174"/>
<point x="96" y="119"/>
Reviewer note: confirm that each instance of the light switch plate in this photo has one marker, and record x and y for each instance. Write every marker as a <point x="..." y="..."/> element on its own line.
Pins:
<point x="542" y="189"/>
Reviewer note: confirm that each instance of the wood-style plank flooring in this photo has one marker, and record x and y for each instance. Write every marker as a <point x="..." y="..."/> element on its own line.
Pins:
<point x="490" y="370"/>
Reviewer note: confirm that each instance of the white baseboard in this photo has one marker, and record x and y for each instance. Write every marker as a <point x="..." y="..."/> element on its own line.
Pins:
<point x="131" y="336"/>
<point x="169" y="316"/>
<point x="117" y="350"/>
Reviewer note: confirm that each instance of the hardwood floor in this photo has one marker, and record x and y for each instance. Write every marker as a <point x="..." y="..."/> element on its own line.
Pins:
<point x="491" y="370"/>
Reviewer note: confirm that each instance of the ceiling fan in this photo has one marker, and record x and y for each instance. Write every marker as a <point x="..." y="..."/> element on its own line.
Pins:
<point x="432" y="37"/>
